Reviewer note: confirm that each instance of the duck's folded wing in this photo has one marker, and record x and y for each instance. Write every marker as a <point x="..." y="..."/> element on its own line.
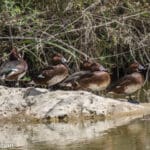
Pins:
<point x="75" y="76"/>
<point x="47" y="72"/>
<point x="122" y="83"/>
<point x="48" y="68"/>
<point x="10" y="68"/>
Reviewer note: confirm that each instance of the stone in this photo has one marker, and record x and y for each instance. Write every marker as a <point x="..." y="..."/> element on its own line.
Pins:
<point x="39" y="103"/>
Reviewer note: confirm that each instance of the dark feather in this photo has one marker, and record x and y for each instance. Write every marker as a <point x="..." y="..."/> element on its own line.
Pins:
<point x="123" y="82"/>
<point x="7" y="67"/>
<point x="75" y="76"/>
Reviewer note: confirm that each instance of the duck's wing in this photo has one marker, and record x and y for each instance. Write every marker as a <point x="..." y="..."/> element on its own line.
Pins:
<point x="76" y="76"/>
<point x="47" y="72"/>
<point x="87" y="75"/>
<point x="10" y="68"/>
<point x="122" y="83"/>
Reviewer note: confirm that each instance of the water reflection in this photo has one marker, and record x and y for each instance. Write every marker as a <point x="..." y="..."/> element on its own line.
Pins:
<point x="127" y="137"/>
<point x="105" y="135"/>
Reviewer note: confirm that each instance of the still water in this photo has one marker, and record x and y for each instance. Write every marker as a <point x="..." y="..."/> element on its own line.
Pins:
<point x="102" y="135"/>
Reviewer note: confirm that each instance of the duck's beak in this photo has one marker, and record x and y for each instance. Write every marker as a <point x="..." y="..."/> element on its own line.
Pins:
<point x="101" y="68"/>
<point x="141" y="67"/>
<point x="64" y="61"/>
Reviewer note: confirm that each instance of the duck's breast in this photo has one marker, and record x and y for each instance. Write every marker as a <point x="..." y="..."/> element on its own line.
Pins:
<point x="102" y="80"/>
<point x="59" y="74"/>
<point x="135" y="84"/>
<point x="132" y="88"/>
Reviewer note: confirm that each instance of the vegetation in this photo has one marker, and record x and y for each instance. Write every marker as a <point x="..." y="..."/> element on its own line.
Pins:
<point x="112" y="32"/>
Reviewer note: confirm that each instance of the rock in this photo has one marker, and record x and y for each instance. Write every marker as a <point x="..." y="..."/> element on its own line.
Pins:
<point x="44" y="104"/>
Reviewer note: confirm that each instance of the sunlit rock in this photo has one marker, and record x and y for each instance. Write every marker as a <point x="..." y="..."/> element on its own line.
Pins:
<point x="42" y="103"/>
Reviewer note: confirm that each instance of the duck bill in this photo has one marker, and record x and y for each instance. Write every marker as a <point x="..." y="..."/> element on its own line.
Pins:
<point x="64" y="62"/>
<point x="141" y="68"/>
<point x="101" y="68"/>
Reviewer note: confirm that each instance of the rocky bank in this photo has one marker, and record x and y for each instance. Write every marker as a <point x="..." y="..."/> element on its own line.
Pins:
<point x="41" y="104"/>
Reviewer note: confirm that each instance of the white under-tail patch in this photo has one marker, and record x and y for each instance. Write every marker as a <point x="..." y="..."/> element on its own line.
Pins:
<point x="41" y="76"/>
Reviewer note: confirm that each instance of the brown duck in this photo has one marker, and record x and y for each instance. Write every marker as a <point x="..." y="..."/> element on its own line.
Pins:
<point x="130" y="83"/>
<point x="53" y="75"/>
<point x="94" y="77"/>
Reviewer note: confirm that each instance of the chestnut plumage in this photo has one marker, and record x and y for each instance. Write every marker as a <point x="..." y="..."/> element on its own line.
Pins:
<point x="53" y="75"/>
<point x="94" y="77"/>
<point x="131" y="82"/>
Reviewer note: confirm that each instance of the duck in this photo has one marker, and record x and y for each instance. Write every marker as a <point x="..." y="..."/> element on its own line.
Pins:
<point x="86" y="65"/>
<point x="93" y="77"/>
<point x="13" y="69"/>
<point x="52" y="74"/>
<point x="129" y="83"/>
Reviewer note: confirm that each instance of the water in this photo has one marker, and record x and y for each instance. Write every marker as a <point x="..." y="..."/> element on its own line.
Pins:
<point x="102" y="135"/>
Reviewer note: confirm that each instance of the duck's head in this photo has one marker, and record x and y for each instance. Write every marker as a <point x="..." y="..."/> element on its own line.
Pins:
<point x="14" y="54"/>
<point x="98" y="67"/>
<point x="86" y="65"/>
<point x="136" y="67"/>
<point x="59" y="59"/>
